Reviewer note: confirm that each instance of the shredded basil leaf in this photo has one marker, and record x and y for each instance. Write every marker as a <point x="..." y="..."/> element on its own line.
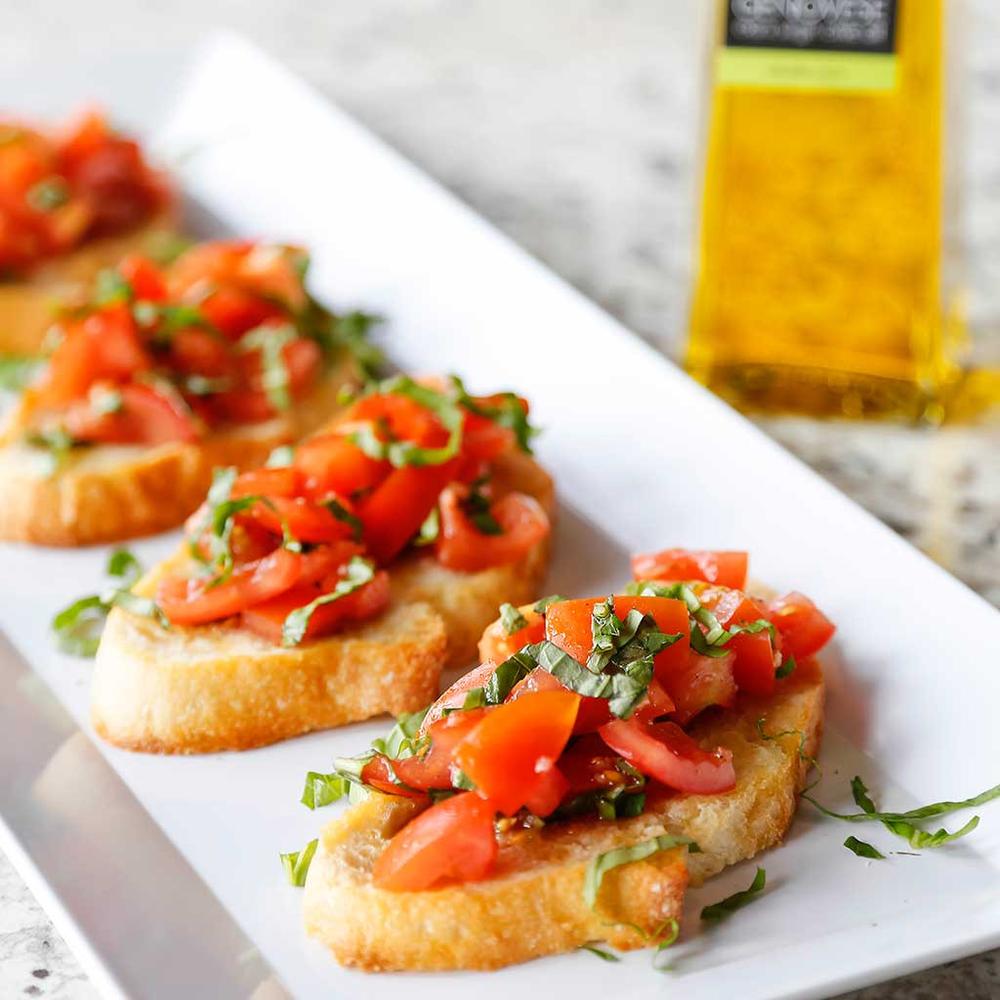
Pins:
<point x="863" y="849"/>
<point x="787" y="667"/>
<point x="504" y="409"/>
<point x="18" y="370"/>
<point x="605" y="862"/>
<point x="296" y="863"/>
<point x="725" y="907"/>
<point x="281" y="457"/>
<point x="511" y="619"/>
<point x="48" y="194"/>
<point x="401" y="740"/>
<point x="477" y="508"/>
<point x="323" y="789"/>
<point x="607" y="956"/>
<point x="430" y="529"/>
<point x="358" y="572"/>
<point x="474" y="698"/>
<point x="515" y="668"/>
<point x="111" y="287"/>
<point x="55" y="443"/>
<point x="351" y="331"/>
<point x="104" y="400"/>
<point x="545" y="603"/>
<point x="811" y="761"/>
<point x="271" y="341"/>
<point x="341" y="513"/>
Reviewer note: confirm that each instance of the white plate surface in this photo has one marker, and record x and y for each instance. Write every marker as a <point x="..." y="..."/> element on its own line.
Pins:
<point x="638" y="449"/>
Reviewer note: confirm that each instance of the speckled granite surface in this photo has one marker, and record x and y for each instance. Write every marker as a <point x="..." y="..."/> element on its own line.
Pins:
<point x="569" y="124"/>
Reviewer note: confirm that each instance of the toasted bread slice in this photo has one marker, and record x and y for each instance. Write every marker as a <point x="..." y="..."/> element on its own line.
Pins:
<point x="219" y="687"/>
<point x="26" y="306"/>
<point x="112" y="492"/>
<point x="533" y="904"/>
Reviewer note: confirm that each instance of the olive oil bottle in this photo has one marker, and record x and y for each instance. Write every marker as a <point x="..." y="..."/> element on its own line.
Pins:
<point x="826" y="273"/>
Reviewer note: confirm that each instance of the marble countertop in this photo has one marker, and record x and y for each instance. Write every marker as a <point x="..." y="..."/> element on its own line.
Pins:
<point x="570" y="125"/>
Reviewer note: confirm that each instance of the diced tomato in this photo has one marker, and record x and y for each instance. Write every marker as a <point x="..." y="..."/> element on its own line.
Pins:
<point x="394" y="511"/>
<point x="277" y="482"/>
<point x="267" y="617"/>
<point x="453" y="841"/>
<point x="433" y="769"/>
<point x="726" y="568"/>
<point x="656" y="703"/>
<point x="568" y="625"/>
<point x="235" y="312"/>
<point x="332" y="463"/>
<point x="146" y="279"/>
<point x="145" y="417"/>
<point x="306" y="521"/>
<point x="462" y="546"/>
<point x="804" y="629"/>
<point x="547" y="790"/>
<point x="484" y="440"/>
<point x="378" y="773"/>
<point x="505" y="752"/>
<point x="195" y="601"/>
<point x="401" y="417"/>
<point x="454" y="697"/>
<point x="497" y="645"/>
<point x="593" y="712"/>
<point x="589" y="765"/>
<point x="665" y="752"/>
<point x="201" y="352"/>
<point x="755" y="655"/>
<point x="702" y="682"/>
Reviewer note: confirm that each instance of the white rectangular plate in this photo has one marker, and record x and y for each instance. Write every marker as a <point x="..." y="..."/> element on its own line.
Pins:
<point x="636" y="448"/>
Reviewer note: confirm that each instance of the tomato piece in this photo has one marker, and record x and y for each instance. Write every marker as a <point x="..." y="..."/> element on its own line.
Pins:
<point x="200" y="352"/>
<point x="665" y="752"/>
<point x="702" y="682"/>
<point x="804" y="629"/>
<point x="547" y="790"/>
<point x="379" y="773"/>
<point x="332" y="463"/>
<point x="266" y="618"/>
<point x="234" y="312"/>
<point x="656" y="703"/>
<point x="433" y="769"/>
<point x="146" y="279"/>
<point x="453" y="841"/>
<point x="589" y="765"/>
<point x="484" y="440"/>
<point x="307" y="521"/>
<point x="755" y="656"/>
<point x="145" y="417"/>
<point x="394" y="511"/>
<point x="277" y="482"/>
<point x="195" y="602"/>
<point x="505" y="752"/>
<point x="726" y="568"/>
<point x="497" y="645"/>
<point x="454" y="696"/>
<point x="568" y="625"/>
<point x="461" y="546"/>
<point x="593" y="712"/>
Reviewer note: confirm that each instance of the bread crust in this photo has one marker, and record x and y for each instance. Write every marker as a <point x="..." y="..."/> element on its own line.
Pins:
<point x="219" y="687"/>
<point x="113" y="492"/>
<point x="27" y="306"/>
<point x="533" y="904"/>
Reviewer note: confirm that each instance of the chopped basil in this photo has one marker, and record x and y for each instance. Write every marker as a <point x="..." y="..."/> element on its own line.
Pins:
<point x="545" y="603"/>
<point x="477" y="508"/>
<point x="77" y="627"/>
<point x="351" y="331"/>
<point x="671" y="931"/>
<point x="605" y="862"/>
<point x="55" y="445"/>
<point x="863" y="850"/>
<point x="788" y="665"/>
<point x="722" y="909"/>
<point x="202" y="385"/>
<point x="341" y="513"/>
<point x="504" y="409"/>
<point x="511" y="620"/>
<point x="48" y="194"/>
<point x="164" y="248"/>
<point x="402" y="739"/>
<point x="110" y="287"/>
<point x="607" y="956"/>
<point x="515" y="668"/>
<point x="271" y="341"/>
<point x="358" y="572"/>
<point x="903" y="823"/>
<point x="811" y="761"/>
<point x="105" y="400"/>
<point x="281" y="457"/>
<point x="296" y="863"/>
<point x="430" y="529"/>
<point x="474" y="698"/>
<point x="323" y="789"/>
<point x="18" y="370"/>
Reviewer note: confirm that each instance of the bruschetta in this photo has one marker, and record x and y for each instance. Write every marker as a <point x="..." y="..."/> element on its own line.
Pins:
<point x="337" y="586"/>
<point x="72" y="202"/>
<point x="608" y="752"/>
<point x="163" y="375"/>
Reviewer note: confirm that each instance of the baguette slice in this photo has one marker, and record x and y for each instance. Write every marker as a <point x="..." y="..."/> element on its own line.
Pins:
<point x="112" y="492"/>
<point x="533" y="905"/>
<point x="219" y="687"/>
<point x="26" y="306"/>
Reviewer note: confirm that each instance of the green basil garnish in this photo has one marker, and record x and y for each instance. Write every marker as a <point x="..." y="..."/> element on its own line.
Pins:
<point x="296" y="863"/>
<point x="430" y="529"/>
<point x="725" y="907"/>
<point x="358" y="572"/>
<point x="607" y="956"/>
<point x="511" y="619"/>
<point x="341" y="513"/>
<point x="271" y="341"/>
<point x="545" y="603"/>
<point x="605" y="862"/>
<point x="18" y="370"/>
<point x="863" y="850"/>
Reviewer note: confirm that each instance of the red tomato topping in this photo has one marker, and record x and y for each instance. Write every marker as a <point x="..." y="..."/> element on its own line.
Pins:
<point x="726" y="568"/>
<point x="755" y="665"/>
<point x="547" y="790"/>
<point x="144" y="416"/>
<point x="804" y="629"/>
<point x="454" y="697"/>
<point x="330" y="463"/>
<point x="453" y="841"/>
<point x="462" y="546"/>
<point x="593" y="712"/>
<point x="665" y="752"/>
<point x="701" y="682"/>
<point x="504" y="754"/>
<point x="497" y="645"/>
<point x="379" y="773"/>
<point x="433" y="769"/>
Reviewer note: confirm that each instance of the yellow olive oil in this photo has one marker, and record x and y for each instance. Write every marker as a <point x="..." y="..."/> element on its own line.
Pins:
<point x="824" y="280"/>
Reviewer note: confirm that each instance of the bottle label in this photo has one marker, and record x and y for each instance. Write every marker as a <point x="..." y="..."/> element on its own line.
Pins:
<point x="847" y="45"/>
